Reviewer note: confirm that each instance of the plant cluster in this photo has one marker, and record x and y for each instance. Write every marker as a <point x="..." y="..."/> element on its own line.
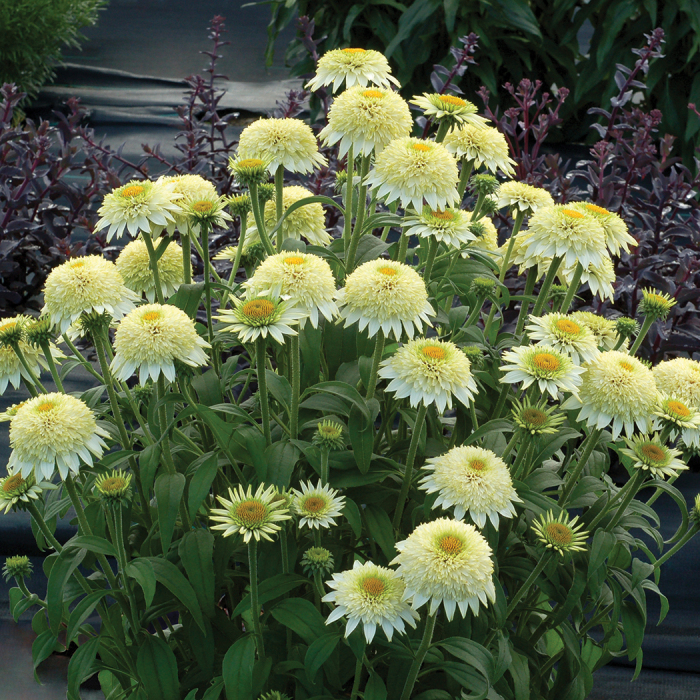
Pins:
<point x="334" y="470"/>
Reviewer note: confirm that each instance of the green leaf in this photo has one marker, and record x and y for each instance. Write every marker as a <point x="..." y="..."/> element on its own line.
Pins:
<point x="410" y="20"/>
<point x="201" y="482"/>
<point x="270" y="589"/>
<point x="98" y="545"/>
<point x="208" y="388"/>
<point x="300" y="615"/>
<point x="352" y="515"/>
<point x="369" y="248"/>
<point x="318" y="652"/>
<point x="281" y="458"/>
<point x="375" y="688"/>
<point x="149" y="460"/>
<point x="471" y="653"/>
<point x="187" y="298"/>
<point x="237" y="669"/>
<point x="601" y="547"/>
<point x="82" y="611"/>
<point x="497" y="425"/>
<point x="361" y="430"/>
<point x="280" y="389"/>
<point x="43" y="646"/>
<point x="81" y="666"/>
<point x="633" y="622"/>
<point x="196" y="552"/>
<point x="157" y="669"/>
<point x="142" y="572"/>
<point x="169" y="489"/>
<point x="214" y="693"/>
<point x="347" y="392"/>
<point x="64" y="566"/>
<point x="381" y="529"/>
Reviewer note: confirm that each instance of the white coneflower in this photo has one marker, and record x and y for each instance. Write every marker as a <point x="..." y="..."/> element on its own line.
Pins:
<point x="428" y="371"/>
<point x="305" y="280"/>
<point x="84" y="285"/>
<point x="54" y="431"/>
<point x="600" y="278"/>
<point x="286" y="142"/>
<point x="253" y="515"/>
<point x="370" y="595"/>
<point x="616" y="233"/>
<point x="604" y="330"/>
<point x="134" y="266"/>
<point x="680" y="417"/>
<point x="471" y="480"/>
<point x="190" y="188"/>
<point x="483" y="145"/>
<point x="446" y="562"/>
<point x="552" y="370"/>
<point x="679" y="377"/>
<point x="16" y="491"/>
<point x="449" y="226"/>
<point x="560" y="533"/>
<point x="651" y="455"/>
<point x="366" y="119"/>
<point x="317" y="506"/>
<point x="151" y="338"/>
<point x="413" y="171"/>
<point x="517" y="196"/>
<point x="450" y="107"/>
<point x="565" y="334"/>
<point x="352" y="67"/>
<point x="11" y="368"/>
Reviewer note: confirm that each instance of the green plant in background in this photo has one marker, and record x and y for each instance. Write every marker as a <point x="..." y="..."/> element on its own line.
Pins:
<point x="33" y="34"/>
<point x="522" y="39"/>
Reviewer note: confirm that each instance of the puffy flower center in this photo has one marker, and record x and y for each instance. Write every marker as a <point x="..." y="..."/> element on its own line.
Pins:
<point x="452" y="100"/>
<point x="534" y="417"/>
<point x="372" y="93"/>
<point x="45" y="407"/>
<point x="294" y="260"/>
<point x="151" y="316"/>
<point x="422" y="147"/>
<point x="451" y="545"/>
<point x="373" y="586"/>
<point x="313" y="504"/>
<point x="258" y="308"/>
<point x="680" y="409"/>
<point x="572" y="213"/>
<point x="353" y="50"/>
<point x="12" y="482"/>
<point x="443" y="215"/>
<point x="78" y="263"/>
<point x="388" y="271"/>
<point x="626" y="365"/>
<point x="595" y="208"/>
<point x="250" y="513"/>
<point x="8" y="325"/>
<point x="113" y="484"/>
<point x="559" y="533"/>
<point x="567" y="326"/>
<point x="250" y="163"/>
<point x="434" y="352"/>
<point x="653" y="453"/>
<point x="132" y="191"/>
<point x="477" y="464"/>
<point x="546" y="361"/>
<point x="203" y="206"/>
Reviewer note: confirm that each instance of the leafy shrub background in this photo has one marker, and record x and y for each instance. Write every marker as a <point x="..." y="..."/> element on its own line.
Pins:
<point x="520" y="39"/>
<point x="32" y="34"/>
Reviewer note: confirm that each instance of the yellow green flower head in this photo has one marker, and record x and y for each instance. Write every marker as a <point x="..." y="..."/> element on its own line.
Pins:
<point x="560" y="231"/>
<point x="38" y="331"/>
<point x="189" y="186"/>
<point x="12" y="331"/>
<point x="113" y="488"/>
<point x="446" y="562"/>
<point x="84" y="285"/>
<point x="475" y="355"/>
<point x="480" y="145"/>
<point x="486" y="236"/>
<point x="522" y="257"/>
<point x="471" y="480"/>
<point x="451" y="108"/>
<point x="134" y="266"/>
<point x="253" y="515"/>
<point x="483" y="184"/>
<point x="413" y="171"/>
<point x="695" y="512"/>
<point x="680" y="418"/>
<point x="352" y="67"/>
<point x="616" y="232"/>
<point x="626" y="327"/>
<point x="599" y="277"/>
<point x="208" y="209"/>
<point x="517" y="196"/>
<point x="450" y="226"/>
<point x="482" y="286"/>
<point x="16" y="491"/>
<point x="249" y="171"/>
<point x="274" y="695"/>
<point x="604" y="329"/>
<point x="553" y="370"/>
<point x="317" y="506"/>
<point x="303" y="279"/>
<point x="651" y="455"/>
<point x="680" y="378"/>
<point x="54" y="431"/>
<point x="372" y="596"/>
<point x="537" y="418"/>
<point x="317" y="560"/>
<point x="366" y="119"/>
<point x="139" y="206"/>
<point x="616" y="389"/>
<point x="18" y="567"/>
<point x="386" y="295"/>
<point x="560" y="534"/>
<point x="151" y="339"/>
<point x="239" y="204"/>
<point x="329" y="436"/>
<point x="562" y="332"/>
<point x="286" y="142"/>
<point x="656" y="304"/>
<point x="257" y="316"/>
<point x="428" y="370"/>
<point x="11" y="369"/>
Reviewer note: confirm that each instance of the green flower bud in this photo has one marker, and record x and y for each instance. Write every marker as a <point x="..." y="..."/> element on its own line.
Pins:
<point x="557" y="293"/>
<point x="249" y="171"/>
<point x="626" y="327"/>
<point x="317" y="560"/>
<point x="484" y="184"/>
<point x="266" y="192"/>
<point x="329" y="435"/>
<point x="113" y="488"/>
<point x="39" y="331"/>
<point x="474" y="355"/>
<point x="482" y="286"/>
<point x="239" y="204"/>
<point x="18" y="567"/>
<point x="656" y="304"/>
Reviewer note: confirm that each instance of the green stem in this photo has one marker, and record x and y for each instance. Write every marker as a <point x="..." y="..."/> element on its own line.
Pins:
<point x="163" y="422"/>
<point x="474" y="313"/>
<point x="254" y="604"/>
<point x="658" y="491"/>
<point x="587" y="449"/>
<point x="523" y="452"/>
<point x="28" y="594"/>
<point x="571" y="291"/>
<point x="30" y="373"/>
<point x="260" y="220"/>
<point x="46" y="348"/>
<point x="472" y="414"/>
<point x="430" y="261"/>
<point x="525" y="306"/>
<point x="350" y="191"/>
<point x="385" y="231"/>
<point x="279" y="203"/>
<point x="517" y="597"/>
<point x="420" y="656"/>
<point x="296" y="385"/>
<point x="376" y="359"/>
<point x="115" y="525"/>
<point x="681" y="543"/>
<point x="81" y="358"/>
<point x="621" y="492"/>
<point x="285" y="550"/>
<point x="548" y="280"/>
<point x="410" y="459"/>
<point x="477" y="206"/>
<point x="648" y="320"/>
<point x="154" y="266"/>
<point x="510" y="445"/>
<point x="237" y="261"/>
<point x="502" y="397"/>
<point x="325" y="469"/>
<point x="262" y="387"/>
<point x="186" y="256"/>
<point x="360" y="219"/>
<point x="465" y="174"/>
<point x="403" y="247"/>
<point x="632" y="487"/>
<point x="354" y="694"/>
<point x="443" y="128"/>
<point x="207" y="278"/>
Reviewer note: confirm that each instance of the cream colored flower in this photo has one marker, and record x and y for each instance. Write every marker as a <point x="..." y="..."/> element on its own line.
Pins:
<point x="553" y="370"/>
<point x="449" y="226"/>
<point x="565" y="334"/>
<point x="366" y="119"/>
<point x="286" y="142"/>
<point x="385" y="294"/>
<point x="451" y="107"/>
<point x="471" y="480"/>
<point x="353" y="67"/>
<point x="317" y="506"/>
<point x="16" y="492"/>
<point x="680" y="378"/>
<point x="151" y="338"/>
<point x="415" y="170"/>
<point x="599" y="277"/>
<point x="190" y="188"/>
<point x="680" y="418"/>
<point x="651" y="455"/>
<point x="483" y="145"/>
<point x="11" y="369"/>
<point x="604" y="329"/>
<point x="616" y="232"/>
<point x="560" y="534"/>
<point x="134" y="266"/>
<point x="517" y="196"/>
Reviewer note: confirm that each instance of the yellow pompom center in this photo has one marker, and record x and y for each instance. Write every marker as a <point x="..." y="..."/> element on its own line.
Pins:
<point x="388" y="271"/>
<point x="452" y="100"/>
<point x="558" y="533"/>
<point x="112" y="484"/>
<point x="151" y="316"/>
<point x="250" y="513"/>
<point x="354" y="50"/>
<point x="203" y="206"/>
<point x="534" y="417"/>
<point x="8" y="325"/>
<point x="566" y="326"/>
<point x="294" y="260"/>
<point x="372" y="93"/>
<point x="373" y="586"/>
<point x="626" y="365"/>
<point x="451" y="545"/>
<point x="434" y="352"/>
<point x="12" y="482"/>
<point x="250" y="163"/>
<point x="78" y="263"/>
<point x="313" y="504"/>
<point x="132" y="191"/>
<point x="680" y="409"/>
<point x="422" y="147"/>
<point x="546" y="361"/>
<point x="477" y="464"/>
<point x="653" y="453"/>
<point x="443" y="215"/>
<point x="258" y="308"/>
<point x="44" y="407"/>
<point x="595" y="208"/>
<point x="572" y="213"/>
